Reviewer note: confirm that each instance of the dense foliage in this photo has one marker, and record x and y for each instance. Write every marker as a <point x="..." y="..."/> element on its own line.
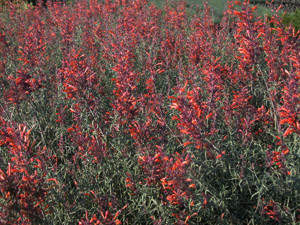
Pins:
<point x="118" y="112"/>
<point x="292" y="19"/>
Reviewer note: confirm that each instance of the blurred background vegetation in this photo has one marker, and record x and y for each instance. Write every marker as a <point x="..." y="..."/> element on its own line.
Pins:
<point x="217" y="6"/>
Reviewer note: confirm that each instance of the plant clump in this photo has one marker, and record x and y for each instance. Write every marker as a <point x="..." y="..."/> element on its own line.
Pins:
<point x="118" y="112"/>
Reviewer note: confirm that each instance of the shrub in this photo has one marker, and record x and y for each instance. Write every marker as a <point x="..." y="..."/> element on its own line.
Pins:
<point x="120" y="112"/>
<point x="292" y="19"/>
